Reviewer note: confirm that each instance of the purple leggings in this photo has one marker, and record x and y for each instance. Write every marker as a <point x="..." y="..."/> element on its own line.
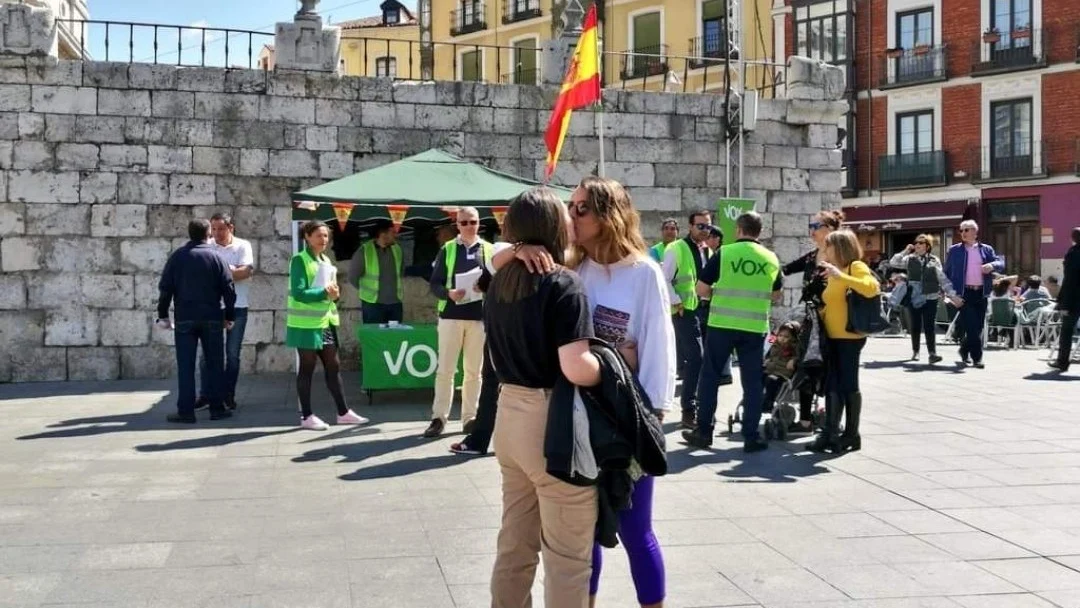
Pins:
<point x="636" y="535"/>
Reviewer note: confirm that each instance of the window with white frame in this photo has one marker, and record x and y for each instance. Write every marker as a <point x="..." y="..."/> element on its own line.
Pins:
<point x="386" y="67"/>
<point x="821" y="30"/>
<point x="1011" y="145"/>
<point x="525" y="57"/>
<point x="915" y="132"/>
<point x="646" y="36"/>
<point x="713" y="29"/>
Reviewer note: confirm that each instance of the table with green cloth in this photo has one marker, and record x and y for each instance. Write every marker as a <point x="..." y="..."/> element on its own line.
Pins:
<point x="399" y="358"/>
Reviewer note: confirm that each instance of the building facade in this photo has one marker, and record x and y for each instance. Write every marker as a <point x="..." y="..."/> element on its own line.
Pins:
<point x="71" y="36"/>
<point x="971" y="116"/>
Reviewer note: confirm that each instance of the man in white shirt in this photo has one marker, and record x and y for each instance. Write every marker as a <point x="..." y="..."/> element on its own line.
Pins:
<point x="238" y="256"/>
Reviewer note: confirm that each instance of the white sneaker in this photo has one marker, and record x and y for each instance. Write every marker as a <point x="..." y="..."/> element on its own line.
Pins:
<point x="351" y="417"/>
<point x="313" y="423"/>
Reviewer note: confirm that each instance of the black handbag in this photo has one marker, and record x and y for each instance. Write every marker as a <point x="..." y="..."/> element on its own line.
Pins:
<point x="866" y="316"/>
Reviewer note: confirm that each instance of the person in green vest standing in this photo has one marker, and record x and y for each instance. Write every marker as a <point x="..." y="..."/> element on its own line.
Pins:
<point x="683" y="261"/>
<point x="461" y="322"/>
<point x="375" y="270"/>
<point x="743" y="279"/>
<point x="311" y="324"/>
<point x="669" y="231"/>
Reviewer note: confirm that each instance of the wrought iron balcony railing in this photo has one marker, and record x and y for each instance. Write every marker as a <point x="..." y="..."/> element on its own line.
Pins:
<point x="1023" y="160"/>
<point x="521" y="76"/>
<point x="915" y="170"/>
<point x="644" y="62"/>
<point x="917" y="65"/>
<point x="468" y="17"/>
<point x="520" y="10"/>
<point x="997" y="52"/>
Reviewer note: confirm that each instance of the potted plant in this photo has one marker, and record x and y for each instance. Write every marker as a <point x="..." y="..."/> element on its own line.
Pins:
<point x="1023" y="31"/>
<point x="894" y="53"/>
<point x="991" y="36"/>
<point x="921" y="49"/>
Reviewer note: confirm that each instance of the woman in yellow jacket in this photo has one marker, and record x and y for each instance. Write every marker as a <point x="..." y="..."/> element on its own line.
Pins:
<point x="844" y="271"/>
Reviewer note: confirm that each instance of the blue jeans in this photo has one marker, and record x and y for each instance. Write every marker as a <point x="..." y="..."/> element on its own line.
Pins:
<point x="750" y="348"/>
<point x="380" y="313"/>
<point x="972" y="317"/>
<point x="189" y="335"/>
<point x="688" y="355"/>
<point x="234" y="339"/>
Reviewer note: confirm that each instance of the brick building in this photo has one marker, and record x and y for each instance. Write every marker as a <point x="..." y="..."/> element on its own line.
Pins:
<point x="959" y="109"/>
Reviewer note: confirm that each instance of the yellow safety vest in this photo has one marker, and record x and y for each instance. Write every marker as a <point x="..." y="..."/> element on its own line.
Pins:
<point x="685" y="283"/>
<point x="316" y="315"/>
<point x="368" y="286"/>
<point x="742" y="298"/>
<point x="450" y="253"/>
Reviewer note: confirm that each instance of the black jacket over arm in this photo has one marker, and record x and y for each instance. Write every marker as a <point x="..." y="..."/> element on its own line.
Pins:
<point x="622" y="428"/>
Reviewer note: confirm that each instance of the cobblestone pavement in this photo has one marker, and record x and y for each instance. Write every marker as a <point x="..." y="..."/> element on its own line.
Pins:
<point x="966" y="494"/>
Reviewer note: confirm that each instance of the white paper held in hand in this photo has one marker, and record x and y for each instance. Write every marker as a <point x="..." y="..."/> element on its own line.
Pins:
<point x="467" y="281"/>
<point x="325" y="276"/>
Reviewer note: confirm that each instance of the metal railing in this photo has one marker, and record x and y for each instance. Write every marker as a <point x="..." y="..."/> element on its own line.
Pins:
<point x="706" y="48"/>
<point x="915" y="170"/>
<point x="1025" y="160"/>
<point x="181" y="45"/>
<point x="924" y="63"/>
<point x="468" y="17"/>
<point x="997" y="51"/>
<point x="520" y="10"/>
<point x="644" y="62"/>
<point x="521" y="76"/>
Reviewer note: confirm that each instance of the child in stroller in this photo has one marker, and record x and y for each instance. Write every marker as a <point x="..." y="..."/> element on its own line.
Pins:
<point x="780" y="391"/>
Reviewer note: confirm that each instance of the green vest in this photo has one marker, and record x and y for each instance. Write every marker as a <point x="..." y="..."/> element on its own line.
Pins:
<point x="742" y="298"/>
<point x="658" y="251"/>
<point x="685" y="282"/>
<point x="924" y="273"/>
<point x="369" y="283"/>
<point x="316" y="315"/>
<point x="450" y="253"/>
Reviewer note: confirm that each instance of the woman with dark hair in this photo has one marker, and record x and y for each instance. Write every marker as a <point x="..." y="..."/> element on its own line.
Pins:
<point x="926" y="281"/>
<point x="537" y="329"/>
<point x="311" y="324"/>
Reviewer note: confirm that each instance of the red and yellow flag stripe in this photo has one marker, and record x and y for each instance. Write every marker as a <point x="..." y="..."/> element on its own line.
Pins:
<point x="581" y="88"/>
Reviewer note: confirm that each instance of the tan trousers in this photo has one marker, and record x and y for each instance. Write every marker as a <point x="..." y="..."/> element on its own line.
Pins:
<point x="541" y="514"/>
<point x="465" y="338"/>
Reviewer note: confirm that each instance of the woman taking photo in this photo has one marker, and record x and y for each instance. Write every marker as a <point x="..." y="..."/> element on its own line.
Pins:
<point x="925" y="281"/>
<point x="843" y="271"/>
<point x="537" y="329"/>
<point x="312" y="322"/>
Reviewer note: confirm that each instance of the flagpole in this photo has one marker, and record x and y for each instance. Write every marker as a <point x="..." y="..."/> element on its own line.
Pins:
<point x="600" y="114"/>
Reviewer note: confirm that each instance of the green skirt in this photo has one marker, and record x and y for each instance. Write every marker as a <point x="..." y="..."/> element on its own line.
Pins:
<point x="311" y="339"/>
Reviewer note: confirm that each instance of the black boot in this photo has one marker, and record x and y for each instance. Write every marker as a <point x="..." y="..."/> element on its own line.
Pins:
<point x="851" y="441"/>
<point x="827" y="438"/>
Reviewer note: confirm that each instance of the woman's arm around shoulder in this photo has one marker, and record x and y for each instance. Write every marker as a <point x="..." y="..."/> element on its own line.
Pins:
<point x="570" y="321"/>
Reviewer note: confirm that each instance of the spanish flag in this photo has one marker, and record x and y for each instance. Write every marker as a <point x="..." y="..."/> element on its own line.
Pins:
<point x="580" y="89"/>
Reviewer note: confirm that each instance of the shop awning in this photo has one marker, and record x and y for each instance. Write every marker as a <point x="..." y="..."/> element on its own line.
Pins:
<point x="909" y="216"/>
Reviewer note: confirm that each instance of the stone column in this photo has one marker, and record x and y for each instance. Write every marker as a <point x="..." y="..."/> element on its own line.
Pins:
<point x="305" y="44"/>
<point x="27" y="30"/>
<point x="567" y="18"/>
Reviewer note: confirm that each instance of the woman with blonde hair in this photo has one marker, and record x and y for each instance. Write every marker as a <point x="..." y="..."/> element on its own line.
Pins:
<point x="844" y="271"/>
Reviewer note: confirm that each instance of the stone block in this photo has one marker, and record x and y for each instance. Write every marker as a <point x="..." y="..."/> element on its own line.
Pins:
<point x="12" y="219"/>
<point x="90" y="363"/>
<point x="333" y="165"/>
<point x="287" y="84"/>
<point x="699" y="152"/>
<point x="71" y="326"/>
<point x="254" y="162"/>
<point x="12" y="292"/>
<point x="274" y="358"/>
<point x="99" y="129"/>
<point x="201" y="79"/>
<point x="48" y="290"/>
<point x="669" y="126"/>
<point x="287" y="109"/>
<point x="106" y="75"/>
<point x="631" y="174"/>
<point x="267" y="292"/>
<point x="173" y="104"/>
<point x="168" y="221"/>
<point x="811" y="79"/>
<point x="146" y="292"/>
<point x="795" y="180"/>
<point x="247" y="81"/>
<point x="567" y="173"/>
<point x="352" y="139"/>
<point x="194" y="132"/>
<point x="98" y="188"/>
<point x="226" y="106"/>
<point x="118" y="220"/>
<point x="694" y="104"/>
<point x="37" y="364"/>
<point x="254" y="222"/>
<point x="620" y="125"/>
<point x="125" y="327"/>
<point x="680" y="175"/>
<point x="139" y="362"/>
<point x="321" y="138"/>
<point x="716" y="176"/>
<point x="646" y="150"/>
<point x="122" y="158"/>
<point x="152" y="76"/>
<point x="48" y="99"/>
<point x="657" y="199"/>
<point x="192" y="189"/>
<point x="77" y="157"/>
<point x="708" y="128"/>
<point x="21" y="329"/>
<point x="818" y="158"/>
<point x="11" y="75"/>
<point x="44" y="187"/>
<point x="10" y="124"/>
<point x="81" y="254"/>
<point x="373" y="89"/>
<point x="822" y="136"/>
<point x="327" y="85"/>
<point x="802" y="112"/>
<point x="295" y="138"/>
<point x="169" y="159"/>
<point x="260" y="328"/>
<point x="115" y="102"/>
<point x="241" y="134"/>
<point x="20" y="253"/>
<point x="216" y="161"/>
<point x="780" y="156"/>
<point x="442" y="118"/>
<point x="65" y="72"/>
<point x="825" y="181"/>
<point x="33" y="156"/>
<point x="7" y="154"/>
<point x="753" y="155"/>
<point x="762" y="178"/>
<point x="283" y="221"/>
<point x="293" y="163"/>
<point x="59" y="127"/>
<point x="488" y="145"/>
<point x="258" y="191"/>
<point x="14" y="98"/>
<point x="274" y="255"/>
<point x="143" y="189"/>
<point x="338" y="113"/>
<point x="57" y="220"/>
<point x="789" y="225"/>
<point x="107" y="291"/>
<point x="773" y="109"/>
<point x="144" y="255"/>
<point x="777" y="133"/>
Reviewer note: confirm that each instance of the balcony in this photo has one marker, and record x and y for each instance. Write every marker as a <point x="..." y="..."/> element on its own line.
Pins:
<point x="520" y="10"/>
<point x="922" y="64"/>
<point x="998" y="52"/>
<point x="467" y="18"/>
<point x="707" y="51"/>
<point x="521" y="76"/>
<point x="644" y="62"/>
<point x="1019" y="162"/>
<point x="916" y="170"/>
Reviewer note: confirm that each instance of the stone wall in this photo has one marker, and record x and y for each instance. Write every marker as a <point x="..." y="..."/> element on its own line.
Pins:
<point x="102" y="165"/>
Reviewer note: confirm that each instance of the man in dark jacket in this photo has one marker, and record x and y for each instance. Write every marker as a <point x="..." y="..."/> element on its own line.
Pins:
<point x="197" y="281"/>
<point x="1069" y="302"/>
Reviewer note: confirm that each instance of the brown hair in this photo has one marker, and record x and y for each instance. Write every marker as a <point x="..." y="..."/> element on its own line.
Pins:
<point x="844" y="248"/>
<point x="832" y="218"/>
<point x="620" y="223"/>
<point x="535" y="217"/>
<point x="309" y="227"/>
<point x="929" y="240"/>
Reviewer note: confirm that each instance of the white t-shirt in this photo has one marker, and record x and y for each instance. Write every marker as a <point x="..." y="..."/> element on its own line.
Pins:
<point x="629" y="301"/>
<point x="237" y="253"/>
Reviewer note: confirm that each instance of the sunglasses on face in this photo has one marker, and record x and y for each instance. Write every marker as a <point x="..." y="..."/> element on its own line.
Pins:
<point x="468" y="222"/>
<point x="701" y="226"/>
<point x="578" y="208"/>
<point x="816" y="225"/>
